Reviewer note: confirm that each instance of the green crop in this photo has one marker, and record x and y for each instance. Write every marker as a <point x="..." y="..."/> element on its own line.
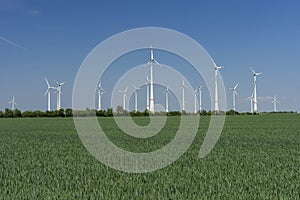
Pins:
<point x="256" y="157"/>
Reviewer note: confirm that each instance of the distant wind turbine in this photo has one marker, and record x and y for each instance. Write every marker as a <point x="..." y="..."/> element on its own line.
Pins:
<point x="151" y="61"/>
<point x="59" y="93"/>
<point x="255" y="74"/>
<point x="275" y="101"/>
<point x="216" y="89"/>
<point x="135" y="98"/>
<point x="13" y="103"/>
<point x="251" y="103"/>
<point x="124" y="97"/>
<point x="195" y="101"/>
<point x="183" y="87"/>
<point x="147" y="85"/>
<point x="100" y="91"/>
<point x="200" y="98"/>
<point x="167" y="99"/>
<point x="48" y="92"/>
<point x="234" y="93"/>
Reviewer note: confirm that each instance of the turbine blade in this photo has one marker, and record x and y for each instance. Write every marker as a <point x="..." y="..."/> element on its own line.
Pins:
<point x="47" y="82"/>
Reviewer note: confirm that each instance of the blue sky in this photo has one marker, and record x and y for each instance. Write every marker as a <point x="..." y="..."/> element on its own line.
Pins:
<point x="51" y="39"/>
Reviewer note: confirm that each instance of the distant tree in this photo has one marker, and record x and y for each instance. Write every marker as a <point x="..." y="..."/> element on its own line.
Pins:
<point x="109" y="112"/>
<point x="61" y="113"/>
<point x="8" y="113"/>
<point x="1" y="114"/>
<point x="17" y="113"/>
<point x="69" y="112"/>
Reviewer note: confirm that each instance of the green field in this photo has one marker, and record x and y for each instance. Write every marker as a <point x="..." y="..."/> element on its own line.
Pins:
<point x="256" y="157"/>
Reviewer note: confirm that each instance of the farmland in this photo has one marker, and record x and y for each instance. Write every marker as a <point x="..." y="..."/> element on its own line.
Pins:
<point x="256" y="157"/>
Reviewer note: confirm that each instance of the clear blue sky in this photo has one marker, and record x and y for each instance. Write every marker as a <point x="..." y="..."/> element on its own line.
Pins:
<point x="50" y="38"/>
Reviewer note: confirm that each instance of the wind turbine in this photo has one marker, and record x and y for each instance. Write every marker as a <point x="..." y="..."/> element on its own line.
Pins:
<point x="147" y="85"/>
<point x="13" y="103"/>
<point x="275" y="101"/>
<point x="135" y="98"/>
<point x="183" y="87"/>
<point x="216" y="89"/>
<point x="251" y="103"/>
<point x="234" y="92"/>
<point x="59" y="93"/>
<point x="48" y="92"/>
<point x="124" y="97"/>
<point x="195" y="101"/>
<point x="100" y="91"/>
<point x="200" y="98"/>
<point x="255" y="74"/>
<point x="167" y="99"/>
<point x="151" y="61"/>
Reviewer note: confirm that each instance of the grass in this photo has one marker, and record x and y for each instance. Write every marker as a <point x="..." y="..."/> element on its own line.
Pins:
<point x="256" y="157"/>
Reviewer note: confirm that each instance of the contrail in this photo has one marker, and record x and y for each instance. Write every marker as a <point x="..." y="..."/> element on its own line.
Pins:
<point x="11" y="43"/>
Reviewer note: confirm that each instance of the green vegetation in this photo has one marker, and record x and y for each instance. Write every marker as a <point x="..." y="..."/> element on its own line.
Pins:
<point x="256" y="157"/>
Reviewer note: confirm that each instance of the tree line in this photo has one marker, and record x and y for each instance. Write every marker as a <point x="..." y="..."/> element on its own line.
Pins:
<point x="8" y="113"/>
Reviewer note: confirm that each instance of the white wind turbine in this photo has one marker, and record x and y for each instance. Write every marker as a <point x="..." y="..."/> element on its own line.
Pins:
<point x="167" y="99"/>
<point x="275" y="101"/>
<point x="124" y="97"/>
<point x="100" y="91"/>
<point x="251" y="103"/>
<point x="13" y="103"/>
<point x="59" y="93"/>
<point x="195" y="100"/>
<point x="234" y="93"/>
<point x="48" y="92"/>
<point x="135" y="98"/>
<point x="183" y="87"/>
<point x="147" y="85"/>
<point x="200" y="98"/>
<point x="151" y="61"/>
<point x="255" y="74"/>
<point x="216" y="88"/>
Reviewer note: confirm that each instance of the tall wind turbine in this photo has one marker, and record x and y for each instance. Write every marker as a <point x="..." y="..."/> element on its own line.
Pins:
<point x="167" y="99"/>
<point x="195" y="100"/>
<point x="147" y="85"/>
<point x="13" y="103"/>
<point x="151" y="61"/>
<point x="124" y="97"/>
<point x="135" y="98"/>
<point x="100" y="91"/>
<point x="183" y="87"/>
<point x="200" y="98"/>
<point x="59" y="93"/>
<point x="48" y="92"/>
<point x="234" y="93"/>
<point x="251" y="103"/>
<point x="275" y="101"/>
<point x="255" y="74"/>
<point x="216" y="88"/>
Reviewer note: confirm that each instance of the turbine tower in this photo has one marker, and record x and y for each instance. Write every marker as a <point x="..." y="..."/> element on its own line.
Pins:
<point x="135" y="98"/>
<point x="275" y="101"/>
<point x="151" y="61"/>
<point x="200" y="98"/>
<point x="147" y="85"/>
<point x="100" y="91"/>
<point x="216" y="89"/>
<point x="195" y="101"/>
<point x="59" y="93"/>
<point x="13" y="103"/>
<point x="234" y="93"/>
<point x="251" y="103"/>
<point x="48" y="92"/>
<point x="183" y="103"/>
<point x="167" y="100"/>
<point x="255" y="74"/>
<point x="124" y="97"/>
